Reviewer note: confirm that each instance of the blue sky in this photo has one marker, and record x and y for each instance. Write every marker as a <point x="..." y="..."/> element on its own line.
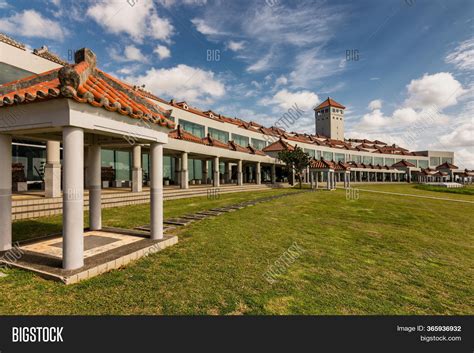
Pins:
<point x="411" y="85"/>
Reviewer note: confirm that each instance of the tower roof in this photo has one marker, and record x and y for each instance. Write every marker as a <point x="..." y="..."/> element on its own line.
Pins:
<point x="330" y="103"/>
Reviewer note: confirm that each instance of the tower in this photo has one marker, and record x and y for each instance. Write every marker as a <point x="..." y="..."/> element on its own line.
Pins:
<point x="329" y="119"/>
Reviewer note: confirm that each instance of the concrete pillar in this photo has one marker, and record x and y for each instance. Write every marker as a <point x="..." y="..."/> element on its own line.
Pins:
<point x="73" y="198"/>
<point x="177" y="170"/>
<point x="184" y="171"/>
<point x="258" y="174"/>
<point x="52" y="170"/>
<point x="156" y="191"/>
<point x="137" y="172"/>
<point x="5" y="192"/>
<point x="328" y="178"/>
<point x="216" y="176"/>
<point x="205" y="171"/>
<point x="391" y="177"/>
<point x="334" y="185"/>
<point x="273" y="174"/>
<point x="227" y="172"/>
<point x="345" y="180"/>
<point x="95" y="187"/>
<point x="311" y="180"/>
<point x="317" y="179"/>
<point x="239" y="173"/>
<point x="409" y="176"/>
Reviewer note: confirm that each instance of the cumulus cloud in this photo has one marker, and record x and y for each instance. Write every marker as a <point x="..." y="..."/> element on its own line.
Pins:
<point x="130" y="53"/>
<point x="375" y="104"/>
<point x="438" y="90"/>
<point x="138" y="21"/>
<point x="462" y="136"/>
<point x="169" y="3"/>
<point x="235" y="46"/>
<point x="285" y="99"/>
<point x="162" y="51"/>
<point x="203" y="27"/>
<point x="463" y="55"/>
<point x="182" y="82"/>
<point x="30" y="23"/>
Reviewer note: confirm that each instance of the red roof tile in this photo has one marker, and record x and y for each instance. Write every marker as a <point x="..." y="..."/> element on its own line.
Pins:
<point x="403" y="163"/>
<point x="446" y="165"/>
<point x="279" y="145"/>
<point x="330" y="103"/>
<point x="84" y="83"/>
<point x="182" y="134"/>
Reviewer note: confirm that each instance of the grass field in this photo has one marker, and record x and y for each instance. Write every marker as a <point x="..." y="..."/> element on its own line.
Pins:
<point x="374" y="254"/>
<point x="466" y="190"/>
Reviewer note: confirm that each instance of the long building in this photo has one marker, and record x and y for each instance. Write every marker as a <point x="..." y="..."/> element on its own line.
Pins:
<point x="70" y="127"/>
<point x="207" y="147"/>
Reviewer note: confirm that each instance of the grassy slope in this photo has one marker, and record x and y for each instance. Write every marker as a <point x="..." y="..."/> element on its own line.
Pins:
<point x="467" y="190"/>
<point x="381" y="254"/>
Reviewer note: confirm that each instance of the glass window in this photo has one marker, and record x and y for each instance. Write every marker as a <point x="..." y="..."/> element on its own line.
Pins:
<point x="339" y="157"/>
<point x="446" y="159"/>
<point x="258" y="144"/>
<point x="328" y="156"/>
<point x="220" y="135"/>
<point x="414" y="161"/>
<point x="356" y="158"/>
<point x="312" y="153"/>
<point x="367" y="160"/>
<point x="318" y="154"/>
<point x="240" y="140"/>
<point x="423" y="164"/>
<point x="434" y="161"/>
<point x="389" y="161"/>
<point x="195" y="129"/>
<point x="378" y="160"/>
<point x="195" y="169"/>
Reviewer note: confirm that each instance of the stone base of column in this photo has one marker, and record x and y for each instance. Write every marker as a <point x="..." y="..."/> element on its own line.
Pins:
<point x="52" y="180"/>
<point x="137" y="180"/>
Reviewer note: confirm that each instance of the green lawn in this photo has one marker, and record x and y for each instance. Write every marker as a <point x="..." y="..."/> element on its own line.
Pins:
<point x="378" y="254"/>
<point x="467" y="190"/>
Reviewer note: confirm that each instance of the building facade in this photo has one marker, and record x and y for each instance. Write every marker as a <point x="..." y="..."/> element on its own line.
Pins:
<point x="206" y="147"/>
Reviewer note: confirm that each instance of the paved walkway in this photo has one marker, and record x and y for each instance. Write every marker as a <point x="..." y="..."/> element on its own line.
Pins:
<point x="420" y="196"/>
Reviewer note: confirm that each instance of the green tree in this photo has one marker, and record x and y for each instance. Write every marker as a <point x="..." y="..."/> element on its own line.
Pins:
<point x="296" y="160"/>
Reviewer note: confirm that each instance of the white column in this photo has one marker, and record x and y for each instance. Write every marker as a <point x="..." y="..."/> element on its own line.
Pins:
<point x="52" y="170"/>
<point x="205" y="171"/>
<point x="311" y="179"/>
<point x="216" y="181"/>
<point x="239" y="173"/>
<point x="273" y="174"/>
<point x="5" y="192"/>
<point x="317" y="179"/>
<point x="177" y="170"/>
<point x="95" y="187"/>
<point x="328" y="175"/>
<point x="258" y="178"/>
<point x="73" y="198"/>
<point x="345" y="180"/>
<point x="137" y="172"/>
<point x="184" y="171"/>
<point x="227" y="172"/>
<point x="156" y="191"/>
<point x="334" y="185"/>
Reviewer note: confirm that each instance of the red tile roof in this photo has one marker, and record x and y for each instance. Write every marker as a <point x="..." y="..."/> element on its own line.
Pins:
<point x="446" y="165"/>
<point x="84" y="83"/>
<point x="403" y="163"/>
<point x="236" y="147"/>
<point x="279" y="145"/>
<point x="330" y="103"/>
<point x="10" y="41"/>
<point x="182" y="134"/>
<point x="321" y="164"/>
<point x="210" y="141"/>
<point x="44" y="53"/>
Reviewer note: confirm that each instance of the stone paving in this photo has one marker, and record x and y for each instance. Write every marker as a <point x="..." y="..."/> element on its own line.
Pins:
<point x="213" y="212"/>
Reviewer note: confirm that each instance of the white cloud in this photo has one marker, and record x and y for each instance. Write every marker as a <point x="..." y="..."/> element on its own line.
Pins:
<point x="138" y="21"/>
<point x="130" y="53"/>
<point x="235" y="46"/>
<point x="438" y="90"/>
<point x="375" y="104"/>
<point x="169" y="3"/>
<point x="463" y="55"/>
<point x="182" y="82"/>
<point x="30" y="23"/>
<point x="4" y="4"/>
<point x="311" y="66"/>
<point x="203" y="27"/>
<point x="285" y="99"/>
<point x="282" y="80"/>
<point x="462" y="136"/>
<point x="162" y="51"/>
<point x="262" y="64"/>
